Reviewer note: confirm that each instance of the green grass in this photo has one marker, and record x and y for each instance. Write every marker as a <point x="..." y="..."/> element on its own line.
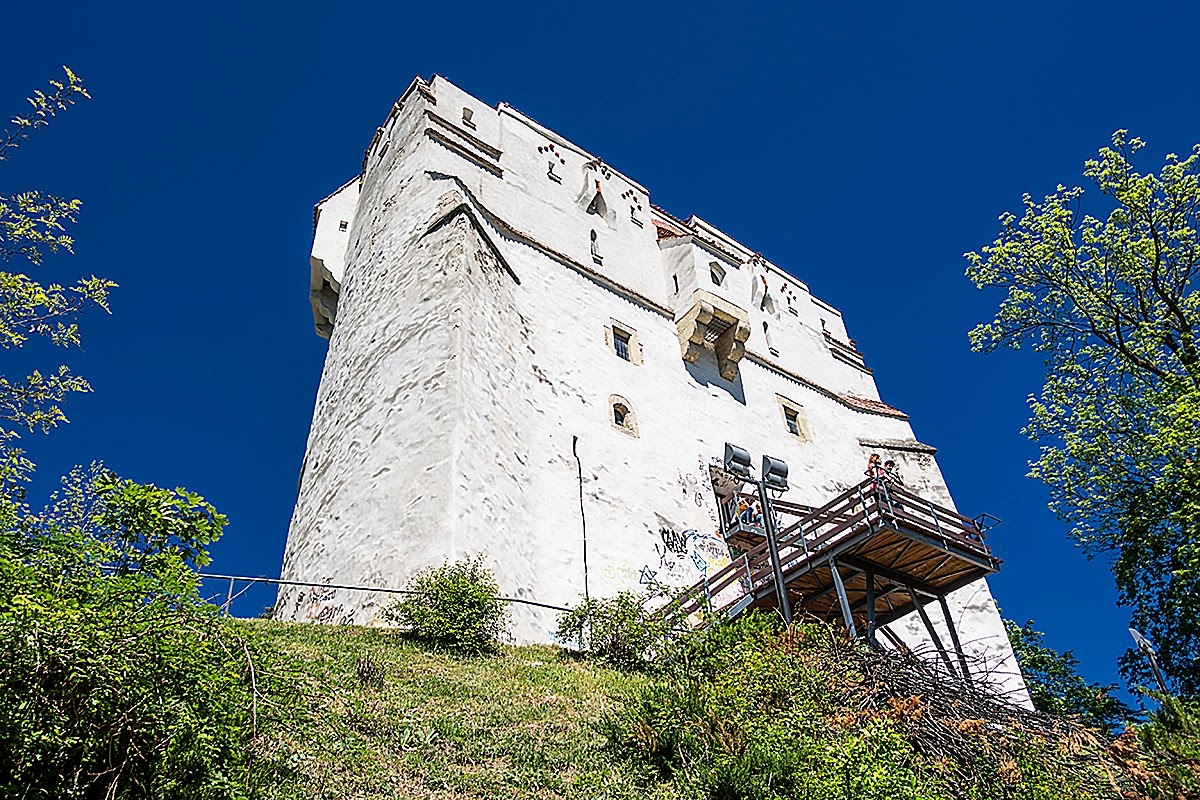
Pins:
<point x="352" y="713"/>
<point x="417" y="723"/>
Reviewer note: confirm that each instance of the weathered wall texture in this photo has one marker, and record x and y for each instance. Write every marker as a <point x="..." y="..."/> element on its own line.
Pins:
<point x="470" y="364"/>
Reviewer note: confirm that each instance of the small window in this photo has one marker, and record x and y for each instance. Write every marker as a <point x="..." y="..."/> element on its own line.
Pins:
<point x="621" y="343"/>
<point x="343" y="225"/>
<point x="716" y="273"/>
<point x="622" y="416"/>
<point x="596" y="248"/>
<point x="622" y="340"/>
<point x="793" y="418"/>
<point x="468" y="114"/>
<point x="675" y="278"/>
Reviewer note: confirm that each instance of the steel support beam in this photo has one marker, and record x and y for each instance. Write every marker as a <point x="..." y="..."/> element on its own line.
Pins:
<point x="871" y="610"/>
<point x="843" y="598"/>
<point x="937" y="640"/>
<point x="962" y="657"/>
<point x="808" y="598"/>
<point x="908" y="581"/>
<point x="911" y="533"/>
<point x="947" y="589"/>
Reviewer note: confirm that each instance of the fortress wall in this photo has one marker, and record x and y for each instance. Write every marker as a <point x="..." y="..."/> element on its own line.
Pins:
<point x="452" y="394"/>
<point x="377" y="475"/>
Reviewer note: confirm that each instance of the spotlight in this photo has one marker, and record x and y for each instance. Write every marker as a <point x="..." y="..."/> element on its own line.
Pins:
<point x="737" y="462"/>
<point x="774" y="473"/>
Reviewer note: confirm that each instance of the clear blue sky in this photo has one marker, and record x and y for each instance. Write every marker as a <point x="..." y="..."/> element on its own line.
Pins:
<point x="862" y="146"/>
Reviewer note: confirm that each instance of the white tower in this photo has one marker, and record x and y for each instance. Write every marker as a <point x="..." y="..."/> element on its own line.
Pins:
<point x="520" y="345"/>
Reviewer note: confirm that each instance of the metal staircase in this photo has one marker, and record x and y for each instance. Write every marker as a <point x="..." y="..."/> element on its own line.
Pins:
<point x="873" y="554"/>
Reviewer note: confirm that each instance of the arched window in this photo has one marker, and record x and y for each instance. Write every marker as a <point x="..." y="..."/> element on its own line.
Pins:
<point x="621" y="415"/>
<point x="717" y="274"/>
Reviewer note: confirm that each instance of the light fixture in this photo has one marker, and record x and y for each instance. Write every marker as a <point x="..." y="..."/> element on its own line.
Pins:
<point x="737" y="461"/>
<point x="774" y="473"/>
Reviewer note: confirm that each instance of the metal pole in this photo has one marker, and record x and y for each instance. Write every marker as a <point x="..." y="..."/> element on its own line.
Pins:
<point x="773" y="546"/>
<point x="871" y="609"/>
<point x="933" y="636"/>
<point x="229" y="598"/>
<point x="936" y="521"/>
<point x="958" y="648"/>
<point x="1150" y="655"/>
<point x="843" y="598"/>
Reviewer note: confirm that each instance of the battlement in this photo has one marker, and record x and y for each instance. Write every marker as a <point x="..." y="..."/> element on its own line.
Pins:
<point x="571" y="201"/>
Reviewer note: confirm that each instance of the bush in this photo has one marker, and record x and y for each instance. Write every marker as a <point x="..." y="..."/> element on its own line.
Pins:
<point x="743" y="710"/>
<point x="620" y="631"/>
<point x="456" y="606"/>
<point x="116" y="679"/>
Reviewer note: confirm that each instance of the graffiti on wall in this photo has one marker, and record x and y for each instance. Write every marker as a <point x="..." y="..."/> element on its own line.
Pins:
<point x="697" y="489"/>
<point x="685" y="543"/>
<point x="321" y="608"/>
<point x="684" y="557"/>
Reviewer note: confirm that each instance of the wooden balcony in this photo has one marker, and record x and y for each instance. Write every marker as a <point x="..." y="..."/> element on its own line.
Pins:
<point x="871" y="555"/>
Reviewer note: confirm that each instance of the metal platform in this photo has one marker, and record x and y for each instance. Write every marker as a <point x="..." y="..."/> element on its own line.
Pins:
<point x="873" y="554"/>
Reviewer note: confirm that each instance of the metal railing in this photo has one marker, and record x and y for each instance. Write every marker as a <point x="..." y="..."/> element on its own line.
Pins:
<point x="231" y="594"/>
<point x="815" y="530"/>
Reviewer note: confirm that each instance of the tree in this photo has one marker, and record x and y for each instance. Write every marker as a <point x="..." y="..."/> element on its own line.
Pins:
<point x="116" y="678"/>
<point x="32" y="225"/>
<point x="1110" y="301"/>
<point x="1055" y="685"/>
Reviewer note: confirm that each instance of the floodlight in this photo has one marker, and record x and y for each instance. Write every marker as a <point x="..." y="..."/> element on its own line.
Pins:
<point x="737" y="461"/>
<point x="1141" y="641"/>
<point x="774" y="473"/>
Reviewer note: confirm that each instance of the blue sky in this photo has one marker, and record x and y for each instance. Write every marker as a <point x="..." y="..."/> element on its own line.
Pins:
<point x="863" y="146"/>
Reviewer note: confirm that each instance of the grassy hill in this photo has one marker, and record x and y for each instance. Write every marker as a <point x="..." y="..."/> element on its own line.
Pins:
<point x="366" y="713"/>
<point x="363" y="713"/>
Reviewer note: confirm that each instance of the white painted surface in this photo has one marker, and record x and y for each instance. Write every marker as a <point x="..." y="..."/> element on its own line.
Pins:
<point x="452" y="394"/>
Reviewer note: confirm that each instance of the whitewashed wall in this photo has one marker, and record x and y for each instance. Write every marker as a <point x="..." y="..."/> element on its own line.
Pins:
<point x="469" y="357"/>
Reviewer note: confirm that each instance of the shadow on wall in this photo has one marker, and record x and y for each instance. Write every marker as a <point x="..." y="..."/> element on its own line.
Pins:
<point x="706" y="373"/>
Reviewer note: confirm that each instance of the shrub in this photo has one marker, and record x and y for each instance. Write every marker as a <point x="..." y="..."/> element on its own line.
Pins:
<point x="745" y="711"/>
<point x="456" y="606"/>
<point x="621" y="631"/>
<point x="116" y="679"/>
